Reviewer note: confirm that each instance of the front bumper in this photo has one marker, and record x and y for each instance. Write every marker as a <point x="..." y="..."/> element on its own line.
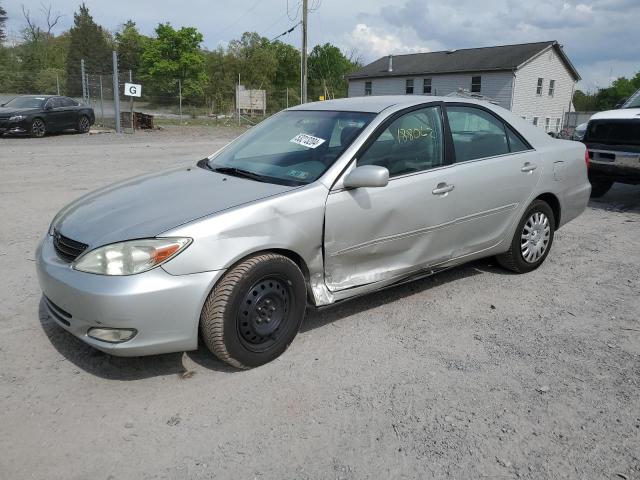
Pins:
<point x="618" y="166"/>
<point x="163" y="308"/>
<point x="20" y="127"/>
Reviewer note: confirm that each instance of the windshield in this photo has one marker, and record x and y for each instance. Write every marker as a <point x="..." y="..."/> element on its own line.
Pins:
<point x="25" y="102"/>
<point x="633" y="102"/>
<point x="294" y="147"/>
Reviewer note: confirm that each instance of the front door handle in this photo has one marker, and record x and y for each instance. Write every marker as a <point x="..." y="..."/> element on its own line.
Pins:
<point x="442" y="189"/>
<point x="528" y="167"/>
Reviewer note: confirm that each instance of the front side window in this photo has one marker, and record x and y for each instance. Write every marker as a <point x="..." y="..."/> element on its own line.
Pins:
<point x="476" y="133"/>
<point x="367" y="88"/>
<point x="411" y="143"/>
<point x="476" y="84"/>
<point x="408" y="86"/>
<point x="68" y="102"/>
<point x="539" y="86"/>
<point x="426" y="86"/>
<point x="552" y="87"/>
<point x="291" y="148"/>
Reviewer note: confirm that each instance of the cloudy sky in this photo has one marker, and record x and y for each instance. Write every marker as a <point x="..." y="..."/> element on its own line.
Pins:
<point x="600" y="36"/>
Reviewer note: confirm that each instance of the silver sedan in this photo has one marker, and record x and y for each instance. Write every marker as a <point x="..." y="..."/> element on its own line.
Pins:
<point x="318" y="204"/>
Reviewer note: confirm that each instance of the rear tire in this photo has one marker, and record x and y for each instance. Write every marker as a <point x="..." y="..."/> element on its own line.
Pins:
<point x="599" y="187"/>
<point x="84" y="124"/>
<point x="532" y="240"/>
<point x="38" y="128"/>
<point x="255" y="311"/>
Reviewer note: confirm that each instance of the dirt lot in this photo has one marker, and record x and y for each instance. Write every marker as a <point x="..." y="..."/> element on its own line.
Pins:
<point x="474" y="373"/>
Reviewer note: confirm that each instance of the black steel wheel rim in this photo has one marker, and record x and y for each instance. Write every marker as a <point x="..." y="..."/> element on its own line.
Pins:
<point x="264" y="315"/>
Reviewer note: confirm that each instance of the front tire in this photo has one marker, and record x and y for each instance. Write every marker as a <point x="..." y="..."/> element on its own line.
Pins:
<point x="255" y="311"/>
<point x="532" y="240"/>
<point x="38" y="128"/>
<point x="599" y="187"/>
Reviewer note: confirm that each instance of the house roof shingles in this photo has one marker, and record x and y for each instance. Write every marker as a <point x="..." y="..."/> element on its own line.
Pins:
<point x="504" y="57"/>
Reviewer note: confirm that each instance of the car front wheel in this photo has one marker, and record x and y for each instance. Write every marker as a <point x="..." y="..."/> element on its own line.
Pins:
<point x="532" y="240"/>
<point x="38" y="128"/>
<point x="255" y="311"/>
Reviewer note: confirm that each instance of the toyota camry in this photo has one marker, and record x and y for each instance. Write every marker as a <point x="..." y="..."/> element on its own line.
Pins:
<point x="318" y="204"/>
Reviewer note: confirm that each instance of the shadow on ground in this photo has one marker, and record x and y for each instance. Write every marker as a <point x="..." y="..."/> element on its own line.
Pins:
<point x="134" y="368"/>
<point x="621" y="198"/>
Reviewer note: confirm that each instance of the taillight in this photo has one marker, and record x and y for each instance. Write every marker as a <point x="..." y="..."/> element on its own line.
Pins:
<point x="586" y="158"/>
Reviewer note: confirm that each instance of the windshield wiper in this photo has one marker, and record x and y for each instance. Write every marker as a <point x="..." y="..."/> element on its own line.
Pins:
<point x="238" y="172"/>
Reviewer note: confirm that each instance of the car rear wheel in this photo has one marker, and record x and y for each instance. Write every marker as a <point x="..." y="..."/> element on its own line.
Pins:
<point x="532" y="240"/>
<point x="255" y="311"/>
<point x="599" y="187"/>
<point x="38" y="128"/>
<point x="83" y="124"/>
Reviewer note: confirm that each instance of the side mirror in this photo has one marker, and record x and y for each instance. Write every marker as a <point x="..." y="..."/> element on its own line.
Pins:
<point x="48" y="106"/>
<point x="367" y="176"/>
<point x="620" y="103"/>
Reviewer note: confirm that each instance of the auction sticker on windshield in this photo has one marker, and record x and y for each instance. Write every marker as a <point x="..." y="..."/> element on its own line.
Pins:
<point x="308" y="141"/>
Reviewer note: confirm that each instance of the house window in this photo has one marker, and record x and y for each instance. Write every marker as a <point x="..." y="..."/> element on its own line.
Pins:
<point x="476" y="84"/>
<point x="426" y="86"/>
<point x="367" y="88"/>
<point x="552" y="87"/>
<point x="535" y="121"/>
<point x="546" y="124"/>
<point x="539" y="87"/>
<point x="557" y="124"/>
<point x="408" y="86"/>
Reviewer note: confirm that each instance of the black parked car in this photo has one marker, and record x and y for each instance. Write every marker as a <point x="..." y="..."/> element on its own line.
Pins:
<point x="38" y="114"/>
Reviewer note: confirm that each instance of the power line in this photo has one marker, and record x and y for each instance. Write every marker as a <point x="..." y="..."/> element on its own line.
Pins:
<point x="287" y="32"/>
<point x="241" y="17"/>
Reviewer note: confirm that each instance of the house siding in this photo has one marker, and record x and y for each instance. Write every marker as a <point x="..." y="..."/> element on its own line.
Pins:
<point x="526" y="103"/>
<point x="495" y="85"/>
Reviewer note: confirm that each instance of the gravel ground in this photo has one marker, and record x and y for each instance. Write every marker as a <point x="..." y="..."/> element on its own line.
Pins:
<point x="474" y="373"/>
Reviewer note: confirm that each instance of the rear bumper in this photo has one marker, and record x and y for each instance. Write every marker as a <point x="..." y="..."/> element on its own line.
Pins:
<point x="164" y="309"/>
<point x="574" y="202"/>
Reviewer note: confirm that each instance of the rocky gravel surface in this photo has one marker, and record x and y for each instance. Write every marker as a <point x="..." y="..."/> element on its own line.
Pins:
<point x="474" y="373"/>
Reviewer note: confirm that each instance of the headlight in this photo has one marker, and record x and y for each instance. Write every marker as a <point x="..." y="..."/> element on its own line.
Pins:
<point x="129" y="258"/>
<point x="17" y="118"/>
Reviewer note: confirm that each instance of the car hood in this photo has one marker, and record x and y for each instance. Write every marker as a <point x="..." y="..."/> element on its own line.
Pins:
<point x="7" y="111"/>
<point x="619" y="114"/>
<point x="148" y="205"/>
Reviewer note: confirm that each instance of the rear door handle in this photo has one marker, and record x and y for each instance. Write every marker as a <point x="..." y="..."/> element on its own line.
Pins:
<point x="528" y="167"/>
<point x="442" y="189"/>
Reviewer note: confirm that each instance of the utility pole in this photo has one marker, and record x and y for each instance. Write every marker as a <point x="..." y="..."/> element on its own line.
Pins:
<point x="84" y="83"/>
<point x="116" y="91"/>
<point x="303" y="66"/>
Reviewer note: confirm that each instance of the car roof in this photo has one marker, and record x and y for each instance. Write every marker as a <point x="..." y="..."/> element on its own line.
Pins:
<point x="378" y="103"/>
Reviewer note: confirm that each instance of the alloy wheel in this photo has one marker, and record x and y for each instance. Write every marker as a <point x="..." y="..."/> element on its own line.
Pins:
<point x="37" y="128"/>
<point x="535" y="237"/>
<point x="84" y="125"/>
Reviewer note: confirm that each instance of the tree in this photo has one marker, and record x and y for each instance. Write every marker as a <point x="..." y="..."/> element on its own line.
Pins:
<point x="3" y="22"/>
<point x="88" y="41"/>
<point x="130" y="45"/>
<point x="328" y="68"/>
<point x="173" y="57"/>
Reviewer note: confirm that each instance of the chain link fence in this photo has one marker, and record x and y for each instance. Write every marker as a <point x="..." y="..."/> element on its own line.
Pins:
<point x="168" y="105"/>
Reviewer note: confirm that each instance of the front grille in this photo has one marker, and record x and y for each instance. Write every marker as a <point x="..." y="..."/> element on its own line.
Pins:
<point x="66" y="248"/>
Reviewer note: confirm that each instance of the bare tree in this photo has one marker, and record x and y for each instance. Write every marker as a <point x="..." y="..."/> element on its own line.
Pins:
<point x="33" y="32"/>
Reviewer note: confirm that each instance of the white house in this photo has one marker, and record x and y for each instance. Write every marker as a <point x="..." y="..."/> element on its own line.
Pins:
<point x="534" y="80"/>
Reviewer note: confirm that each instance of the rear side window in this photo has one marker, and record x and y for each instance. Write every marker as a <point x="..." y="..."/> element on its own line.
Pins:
<point x="68" y="102"/>
<point x="476" y="134"/>
<point x="515" y="142"/>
